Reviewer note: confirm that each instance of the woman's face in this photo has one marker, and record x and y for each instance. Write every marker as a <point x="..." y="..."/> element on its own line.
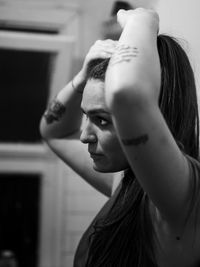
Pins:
<point x="98" y="130"/>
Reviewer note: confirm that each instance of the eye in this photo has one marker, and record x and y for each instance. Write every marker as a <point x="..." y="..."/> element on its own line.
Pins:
<point x="102" y="121"/>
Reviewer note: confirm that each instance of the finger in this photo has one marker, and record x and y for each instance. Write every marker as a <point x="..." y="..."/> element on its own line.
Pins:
<point x="103" y="48"/>
<point x="101" y="54"/>
<point x="121" y="17"/>
<point x="105" y="43"/>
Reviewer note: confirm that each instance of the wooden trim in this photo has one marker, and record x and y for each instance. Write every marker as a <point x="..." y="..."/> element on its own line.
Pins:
<point x="34" y="41"/>
<point x="37" y="14"/>
<point x="61" y="46"/>
<point x="25" y="151"/>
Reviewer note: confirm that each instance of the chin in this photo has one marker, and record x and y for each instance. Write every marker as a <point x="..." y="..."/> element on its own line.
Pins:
<point x="106" y="169"/>
<point x="101" y="169"/>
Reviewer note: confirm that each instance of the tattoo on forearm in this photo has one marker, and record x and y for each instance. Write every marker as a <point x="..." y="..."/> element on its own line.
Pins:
<point x="54" y="111"/>
<point x="135" y="141"/>
<point x="124" y="53"/>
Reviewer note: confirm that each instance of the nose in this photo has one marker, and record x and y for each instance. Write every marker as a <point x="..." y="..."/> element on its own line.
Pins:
<point x="88" y="134"/>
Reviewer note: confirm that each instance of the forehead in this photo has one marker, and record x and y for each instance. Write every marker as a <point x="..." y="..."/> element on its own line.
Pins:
<point x="93" y="96"/>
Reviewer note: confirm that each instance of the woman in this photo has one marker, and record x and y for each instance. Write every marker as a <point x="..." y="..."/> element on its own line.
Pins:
<point x="139" y="98"/>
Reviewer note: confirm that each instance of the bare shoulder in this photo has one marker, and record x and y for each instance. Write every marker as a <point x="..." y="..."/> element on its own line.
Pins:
<point x="75" y="154"/>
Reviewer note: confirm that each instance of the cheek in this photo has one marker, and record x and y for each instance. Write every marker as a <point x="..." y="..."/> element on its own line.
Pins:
<point x="111" y="146"/>
<point x="114" y="157"/>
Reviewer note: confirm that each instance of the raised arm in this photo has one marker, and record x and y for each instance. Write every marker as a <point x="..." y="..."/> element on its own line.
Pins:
<point x="61" y="123"/>
<point x="132" y="90"/>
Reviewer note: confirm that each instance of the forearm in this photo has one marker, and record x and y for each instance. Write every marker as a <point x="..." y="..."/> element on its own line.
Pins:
<point x="134" y="67"/>
<point x="63" y="115"/>
<point x="132" y="91"/>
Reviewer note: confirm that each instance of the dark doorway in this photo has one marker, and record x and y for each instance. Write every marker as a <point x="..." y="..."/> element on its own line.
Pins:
<point x="19" y="212"/>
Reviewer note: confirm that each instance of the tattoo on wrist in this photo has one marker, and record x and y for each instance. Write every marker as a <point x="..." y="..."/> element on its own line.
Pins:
<point x="124" y="53"/>
<point x="142" y="139"/>
<point x="54" y="111"/>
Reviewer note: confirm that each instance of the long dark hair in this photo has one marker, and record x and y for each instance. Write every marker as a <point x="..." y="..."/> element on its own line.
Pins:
<point x="178" y="99"/>
<point x="125" y="236"/>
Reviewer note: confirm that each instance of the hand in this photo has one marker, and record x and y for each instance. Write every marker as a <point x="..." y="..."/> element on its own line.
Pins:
<point x="138" y="16"/>
<point x="101" y="49"/>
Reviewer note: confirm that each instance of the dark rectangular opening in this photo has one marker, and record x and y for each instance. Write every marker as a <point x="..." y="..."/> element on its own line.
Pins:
<point x="25" y="87"/>
<point x="6" y="27"/>
<point x="19" y="211"/>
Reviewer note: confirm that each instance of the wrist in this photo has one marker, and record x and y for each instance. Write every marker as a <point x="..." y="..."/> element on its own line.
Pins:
<point x="137" y="31"/>
<point x="78" y="83"/>
<point x="146" y="21"/>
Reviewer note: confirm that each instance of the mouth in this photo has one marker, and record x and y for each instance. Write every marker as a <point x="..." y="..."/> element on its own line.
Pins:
<point x="95" y="156"/>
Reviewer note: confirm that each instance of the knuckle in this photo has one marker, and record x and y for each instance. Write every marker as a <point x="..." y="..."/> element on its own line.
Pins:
<point x="98" y="42"/>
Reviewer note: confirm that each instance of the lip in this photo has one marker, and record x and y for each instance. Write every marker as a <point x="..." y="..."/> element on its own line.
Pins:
<point x="95" y="156"/>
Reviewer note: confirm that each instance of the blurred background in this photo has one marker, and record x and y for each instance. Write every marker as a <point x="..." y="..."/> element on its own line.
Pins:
<point x="44" y="205"/>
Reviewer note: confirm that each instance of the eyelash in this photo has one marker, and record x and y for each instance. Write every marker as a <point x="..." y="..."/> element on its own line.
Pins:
<point x="99" y="120"/>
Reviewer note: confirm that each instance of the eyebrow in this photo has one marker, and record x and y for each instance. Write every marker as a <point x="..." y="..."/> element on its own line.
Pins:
<point x="95" y="111"/>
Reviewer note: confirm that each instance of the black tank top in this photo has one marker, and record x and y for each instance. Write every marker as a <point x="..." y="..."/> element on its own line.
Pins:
<point x="83" y="247"/>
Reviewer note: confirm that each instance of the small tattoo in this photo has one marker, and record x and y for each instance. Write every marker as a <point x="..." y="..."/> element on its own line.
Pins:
<point x="123" y="53"/>
<point x="136" y="141"/>
<point x="54" y="112"/>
